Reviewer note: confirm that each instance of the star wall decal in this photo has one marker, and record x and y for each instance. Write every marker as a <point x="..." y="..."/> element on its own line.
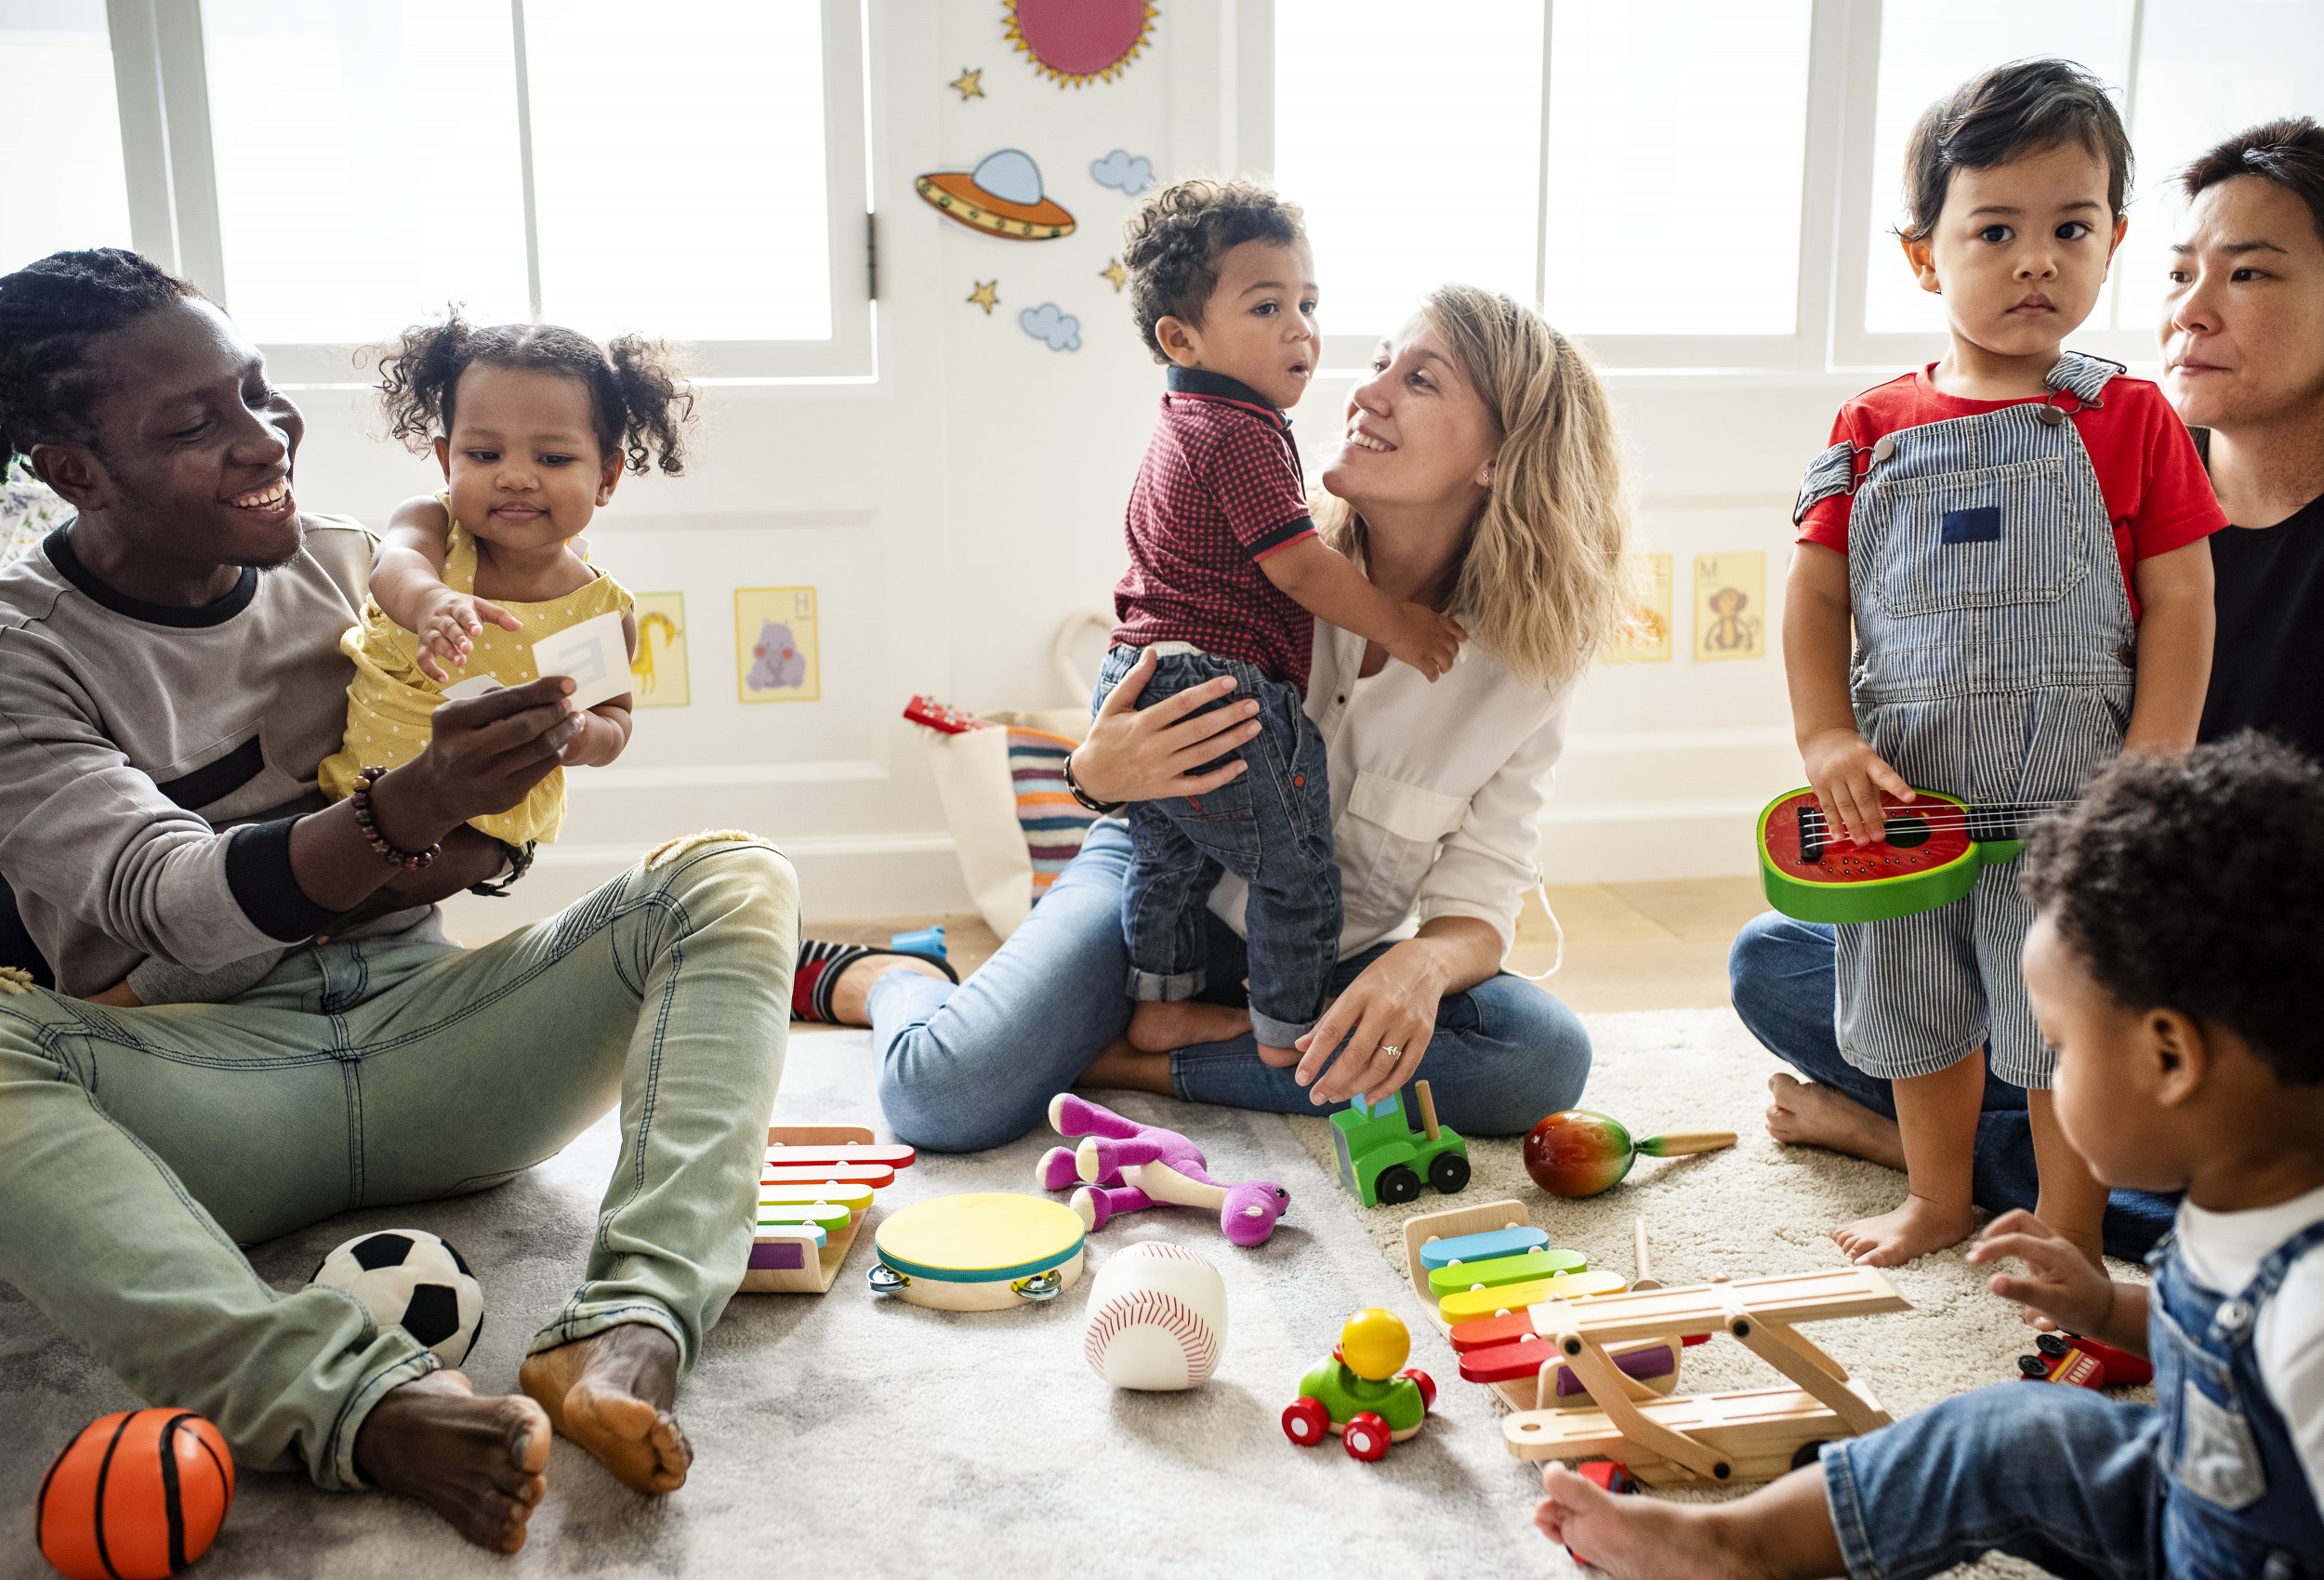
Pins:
<point x="970" y="84"/>
<point x="1115" y="272"/>
<point x="985" y="296"/>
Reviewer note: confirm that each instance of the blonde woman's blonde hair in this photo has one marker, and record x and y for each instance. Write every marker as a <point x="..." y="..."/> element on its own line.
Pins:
<point x="1540" y="580"/>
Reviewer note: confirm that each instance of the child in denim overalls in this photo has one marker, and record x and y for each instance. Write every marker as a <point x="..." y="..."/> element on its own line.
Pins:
<point x="2015" y="535"/>
<point x="2174" y="962"/>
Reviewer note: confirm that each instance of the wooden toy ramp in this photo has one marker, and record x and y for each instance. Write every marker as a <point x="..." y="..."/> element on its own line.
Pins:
<point x="1749" y="1434"/>
<point x="1538" y="1353"/>
<point x="813" y="1191"/>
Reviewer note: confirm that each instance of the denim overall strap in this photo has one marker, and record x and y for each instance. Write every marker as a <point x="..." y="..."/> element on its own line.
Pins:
<point x="1832" y="472"/>
<point x="2237" y="1500"/>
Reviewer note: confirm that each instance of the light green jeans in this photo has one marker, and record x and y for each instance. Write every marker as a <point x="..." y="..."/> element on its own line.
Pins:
<point x="139" y="1148"/>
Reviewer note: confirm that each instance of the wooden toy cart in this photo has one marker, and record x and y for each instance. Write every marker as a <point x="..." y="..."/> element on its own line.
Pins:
<point x="1749" y="1434"/>
<point x="813" y="1191"/>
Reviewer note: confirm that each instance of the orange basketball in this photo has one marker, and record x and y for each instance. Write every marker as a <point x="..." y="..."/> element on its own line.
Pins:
<point x="136" y="1497"/>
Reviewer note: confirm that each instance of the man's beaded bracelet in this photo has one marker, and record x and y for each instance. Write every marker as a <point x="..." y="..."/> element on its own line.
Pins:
<point x="410" y="861"/>
<point x="1101" y="807"/>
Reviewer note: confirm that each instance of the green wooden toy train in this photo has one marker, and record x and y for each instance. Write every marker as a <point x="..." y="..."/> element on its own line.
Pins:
<point x="1382" y="1159"/>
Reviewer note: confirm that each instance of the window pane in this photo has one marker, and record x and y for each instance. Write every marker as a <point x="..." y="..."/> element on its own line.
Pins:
<point x="678" y="169"/>
<point x="1672" y="125"/>
<point x="2207" y="69"/>
<point x="1926" y="51"/>
<point x="1415" y="147"/>
<point x="65" y="187"/>
<point x="367" y="170"/>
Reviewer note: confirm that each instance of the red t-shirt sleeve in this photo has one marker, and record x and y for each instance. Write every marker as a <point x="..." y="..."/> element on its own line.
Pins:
<point x="1258" y="489"/>
<point x="2175" y="502"/>
<point x="1827" y="520"/>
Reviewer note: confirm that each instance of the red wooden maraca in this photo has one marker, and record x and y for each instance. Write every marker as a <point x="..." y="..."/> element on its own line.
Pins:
<point x="1579" y="1154"/>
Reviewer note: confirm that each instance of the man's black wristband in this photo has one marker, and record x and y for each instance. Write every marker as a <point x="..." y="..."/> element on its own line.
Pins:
<point x="1101" y="807"/>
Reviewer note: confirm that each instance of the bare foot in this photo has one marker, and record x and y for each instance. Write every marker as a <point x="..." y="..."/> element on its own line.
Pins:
<point x="1804" y="1115"/>
<point x="1631" y="1536"/>
<point x="477" y="1462"/>
<point x="851" y="993"/>
<point x="1166" y="1028"/>
<point x="610" y="1392"/>
<point x="1913" y="1228"/>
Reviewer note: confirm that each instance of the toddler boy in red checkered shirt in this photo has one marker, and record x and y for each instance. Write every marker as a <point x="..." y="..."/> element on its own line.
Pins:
<point x="1227" y="577"/>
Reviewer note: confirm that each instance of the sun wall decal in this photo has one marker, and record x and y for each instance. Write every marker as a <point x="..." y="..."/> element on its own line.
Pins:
<point x="1079" y="41"/>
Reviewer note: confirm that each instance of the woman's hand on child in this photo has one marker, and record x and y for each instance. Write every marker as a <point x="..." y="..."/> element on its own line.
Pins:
<point x="448" y="626"/>
<point x="2059" y="1288"/>
<point x="1134" y="754"/>
<point x="1385" y="1017"/>
<point x="1428" y="641"/>
<point x="1848" y="777"/>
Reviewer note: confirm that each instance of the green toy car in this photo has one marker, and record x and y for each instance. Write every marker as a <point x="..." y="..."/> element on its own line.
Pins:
<point x="1360" y="1393"/>
<point x="1382" y="1159"/>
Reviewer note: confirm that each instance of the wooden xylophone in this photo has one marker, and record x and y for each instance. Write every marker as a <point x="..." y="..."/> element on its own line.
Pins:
<point x="813" y="1190"/>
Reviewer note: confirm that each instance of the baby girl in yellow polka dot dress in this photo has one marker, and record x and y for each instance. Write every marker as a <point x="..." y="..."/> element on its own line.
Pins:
<point x="534" y="425"/>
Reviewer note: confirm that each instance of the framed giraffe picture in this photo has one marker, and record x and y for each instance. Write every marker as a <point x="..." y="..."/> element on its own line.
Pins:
<point x="657" y="670"/>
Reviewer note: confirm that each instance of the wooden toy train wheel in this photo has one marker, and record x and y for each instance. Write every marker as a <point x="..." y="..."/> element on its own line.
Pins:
<point x="1305" y="1420"/>
<point x="1367" y="1437"/>
<point x="1449" y="1173"/>
<point x="1398" y="1184"/>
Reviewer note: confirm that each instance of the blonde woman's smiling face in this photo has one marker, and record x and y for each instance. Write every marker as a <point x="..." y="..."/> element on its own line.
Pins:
<point x="1416" y="432"/>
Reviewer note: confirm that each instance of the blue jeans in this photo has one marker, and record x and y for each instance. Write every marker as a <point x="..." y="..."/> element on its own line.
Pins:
<point x="974" y="1066"/>
<point x="1780" y="975"/>
<point x="1272" y="828"/>
<point x="2056" y="1475"/>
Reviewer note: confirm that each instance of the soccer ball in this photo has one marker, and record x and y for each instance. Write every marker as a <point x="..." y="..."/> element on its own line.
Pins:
<point x="408" y="1277"/>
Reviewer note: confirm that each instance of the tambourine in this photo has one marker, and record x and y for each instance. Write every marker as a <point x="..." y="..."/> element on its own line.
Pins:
<point x="983" y="1251"/>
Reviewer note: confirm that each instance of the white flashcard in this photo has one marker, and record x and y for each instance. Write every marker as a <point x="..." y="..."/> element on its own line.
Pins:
<point x="594" y="653"/>
<point x="474" y="685"/>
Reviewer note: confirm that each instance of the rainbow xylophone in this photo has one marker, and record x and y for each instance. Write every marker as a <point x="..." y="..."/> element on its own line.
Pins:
<point x="813" y="1190"/>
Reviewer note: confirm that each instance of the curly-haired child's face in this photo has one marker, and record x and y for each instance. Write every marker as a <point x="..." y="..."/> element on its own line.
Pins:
<point x="522" y="459"/>
<point x="2019" y="251"/>
<point x="1258" y="325"/>
<point x="2110" y="1070"/>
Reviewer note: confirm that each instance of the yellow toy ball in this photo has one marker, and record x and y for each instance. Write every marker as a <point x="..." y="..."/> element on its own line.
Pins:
<point x="1373" y="1344"/>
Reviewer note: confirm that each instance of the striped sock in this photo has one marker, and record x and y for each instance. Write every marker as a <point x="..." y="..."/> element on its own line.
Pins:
<point x="820" y="964"/>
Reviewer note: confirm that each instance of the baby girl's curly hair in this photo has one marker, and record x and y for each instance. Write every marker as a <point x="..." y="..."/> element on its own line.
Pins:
<point x="638" y="404"/>
<point x="1174" y="245"/>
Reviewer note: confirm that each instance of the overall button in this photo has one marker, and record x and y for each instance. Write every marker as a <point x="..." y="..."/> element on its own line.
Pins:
<point x="2052" y="415"/>
<point x="1884" y="448"/>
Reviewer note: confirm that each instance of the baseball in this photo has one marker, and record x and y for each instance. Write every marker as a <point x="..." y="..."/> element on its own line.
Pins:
<point x="1157" y="1318"/>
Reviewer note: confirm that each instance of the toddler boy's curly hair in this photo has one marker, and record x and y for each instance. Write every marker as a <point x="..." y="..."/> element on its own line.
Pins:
<point x="1173" y="244"/>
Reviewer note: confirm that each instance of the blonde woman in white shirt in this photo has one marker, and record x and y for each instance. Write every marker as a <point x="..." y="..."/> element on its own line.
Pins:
<point x="1478" y="472"/>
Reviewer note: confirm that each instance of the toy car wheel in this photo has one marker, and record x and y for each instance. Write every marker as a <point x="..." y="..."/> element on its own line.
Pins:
<point x="1448" y="1172"/>
<point x="1366" y="1437"/>
<point x="1422" y="1380"/>
<point x="1807" y="1454"/>
<point x="1305" y="1420"/>
<point x="1396" y="1186"/>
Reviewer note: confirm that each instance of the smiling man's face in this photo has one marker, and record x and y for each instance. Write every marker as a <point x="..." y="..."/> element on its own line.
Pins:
<point x="192" y="445"/>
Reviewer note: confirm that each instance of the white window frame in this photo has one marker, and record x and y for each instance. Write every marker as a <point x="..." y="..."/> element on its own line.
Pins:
<point x="162" y="85"/>
<point x="1838" y="189"/>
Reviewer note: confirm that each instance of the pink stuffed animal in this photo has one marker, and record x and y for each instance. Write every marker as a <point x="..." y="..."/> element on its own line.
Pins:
<point x="1122" y="1165"/>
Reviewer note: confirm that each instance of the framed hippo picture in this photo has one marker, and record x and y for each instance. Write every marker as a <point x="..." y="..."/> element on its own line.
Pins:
<point x="775" y="645"/>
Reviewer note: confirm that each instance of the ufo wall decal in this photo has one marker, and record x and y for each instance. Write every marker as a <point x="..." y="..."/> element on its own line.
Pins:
<point x="1001" y="197"/>
<point x="1079" y="41"/>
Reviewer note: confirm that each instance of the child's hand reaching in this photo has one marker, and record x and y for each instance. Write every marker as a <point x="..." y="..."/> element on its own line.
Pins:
<point x="1848" y="777"/>
<point x="1427" y="640"/>
<point x="448" y="622"/>
<point x="2059" y="1287"/>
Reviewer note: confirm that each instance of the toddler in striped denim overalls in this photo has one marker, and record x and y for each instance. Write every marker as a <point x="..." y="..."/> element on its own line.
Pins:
<point x="2015" y="535"/>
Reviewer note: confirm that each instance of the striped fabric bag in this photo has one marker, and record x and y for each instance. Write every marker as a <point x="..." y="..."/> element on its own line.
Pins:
<point x="1014" y="824"/>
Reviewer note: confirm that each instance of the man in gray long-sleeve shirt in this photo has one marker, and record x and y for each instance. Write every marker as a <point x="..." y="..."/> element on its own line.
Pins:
<point x="169" y="679"/>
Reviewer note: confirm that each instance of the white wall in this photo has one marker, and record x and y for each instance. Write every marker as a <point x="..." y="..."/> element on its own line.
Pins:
<point x="952" y="513"/>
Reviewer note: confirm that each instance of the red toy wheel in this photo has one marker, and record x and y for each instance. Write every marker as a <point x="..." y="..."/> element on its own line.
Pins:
<point x="1305" y="1420"/>
<point x="1366" y="1437"/>
<point x="1426" y="1384"/>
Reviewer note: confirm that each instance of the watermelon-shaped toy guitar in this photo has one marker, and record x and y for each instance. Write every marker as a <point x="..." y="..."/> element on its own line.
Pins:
<point x="1936" y="843"/>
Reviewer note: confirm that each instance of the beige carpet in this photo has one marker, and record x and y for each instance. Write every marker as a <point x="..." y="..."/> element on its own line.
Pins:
<point x="843" y="1436"/>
